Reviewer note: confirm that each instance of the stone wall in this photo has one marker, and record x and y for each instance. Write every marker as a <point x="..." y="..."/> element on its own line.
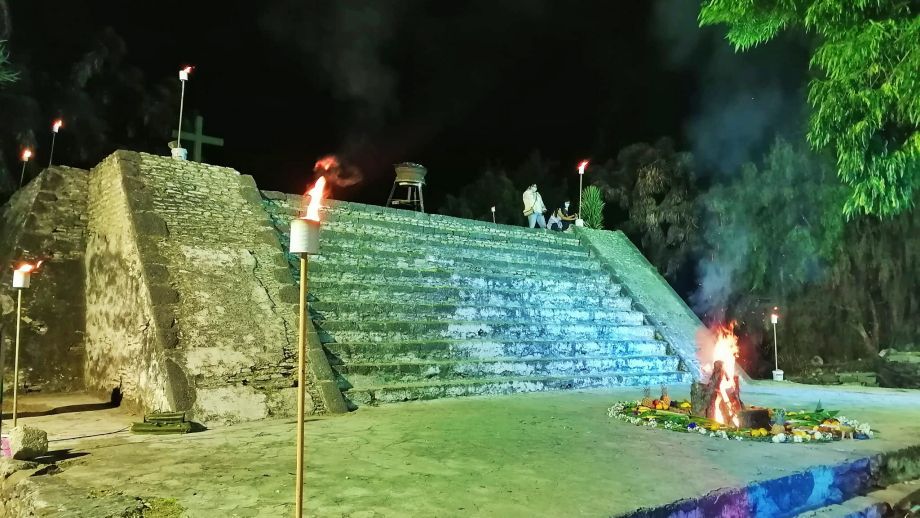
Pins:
<point x="46" y="220"/>
<point x="185" y="293"/>
<point x="237" y="338"/>
<point x="125" y="344"/>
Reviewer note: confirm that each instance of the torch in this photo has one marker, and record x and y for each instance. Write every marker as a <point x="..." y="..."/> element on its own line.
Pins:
<point x="22" y="279"/>
<point x="26" y="155"/>
<point x="493" y="214"/>
<point x="178" y="152"/>
<point x="55" y="128"/>
<point x="777" y="374"/>
<point x="304" y="242"/>
<point x="581" y="175"/>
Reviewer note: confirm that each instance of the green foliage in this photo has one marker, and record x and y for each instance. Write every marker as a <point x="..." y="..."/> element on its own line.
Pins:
<point x="592" y="207"/>
<point x="6" y="74"/>
<point x="656" y="187"/>
<point x="779" y="223"/>
<point x="866" y="97"/>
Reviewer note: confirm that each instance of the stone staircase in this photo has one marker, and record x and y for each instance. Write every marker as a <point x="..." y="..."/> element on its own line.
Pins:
<point x="412" y="306"/>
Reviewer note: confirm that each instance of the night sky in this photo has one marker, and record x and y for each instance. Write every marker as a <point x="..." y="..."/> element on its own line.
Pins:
<point x="452" y="85"/>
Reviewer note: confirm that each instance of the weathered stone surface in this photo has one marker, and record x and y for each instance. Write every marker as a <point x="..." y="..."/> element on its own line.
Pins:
<point x="899" y="370"/>
<point x="46" y="219"/>
<point x="9" y="466"/>
<point x="418" y="306"/>
<point x="27" y="443"/>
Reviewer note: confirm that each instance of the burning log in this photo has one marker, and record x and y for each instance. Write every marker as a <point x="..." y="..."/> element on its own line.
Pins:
<point x="719" y="399"/>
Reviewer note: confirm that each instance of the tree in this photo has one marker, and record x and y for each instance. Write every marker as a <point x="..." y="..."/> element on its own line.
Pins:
<point x="866" y="98"/>
<point x="656" y="187"/>
<point x="6" y="74"/>
<point x="492" y="188"/>
<point x="771" y="237"/>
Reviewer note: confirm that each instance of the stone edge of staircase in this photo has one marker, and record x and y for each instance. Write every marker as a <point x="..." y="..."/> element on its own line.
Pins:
<point x="651" y="293"/>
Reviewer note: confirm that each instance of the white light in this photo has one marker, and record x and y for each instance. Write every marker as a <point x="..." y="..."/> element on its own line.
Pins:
<point x="774" y="318"/>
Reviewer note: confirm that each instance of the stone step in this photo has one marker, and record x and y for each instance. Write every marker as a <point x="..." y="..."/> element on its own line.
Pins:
<point x="499" y="386"/>
<point x="440" y="349"/>
<point x="426" y="226"/>
<point x="352" y="331"/>
<point x="528" y="238"/>
<point x="335" y="235"/>
<point x="382" y="252"/>
<point x="455" y="277"/>
<point x="363" y="214"/>
<point x="349" y="310"/>
<point x="375" y="374"/>
<point x="396" y="292"/>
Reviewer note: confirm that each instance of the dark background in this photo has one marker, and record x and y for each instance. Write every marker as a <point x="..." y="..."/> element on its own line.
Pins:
<point x="455" y="86"/>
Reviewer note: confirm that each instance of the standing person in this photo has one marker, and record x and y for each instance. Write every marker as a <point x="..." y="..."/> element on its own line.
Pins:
<point x="562" y="219"/>
<point x="534" y="207"/>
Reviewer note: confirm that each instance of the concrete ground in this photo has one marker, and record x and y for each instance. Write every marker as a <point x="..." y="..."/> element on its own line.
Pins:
<point x="544" y="454"/>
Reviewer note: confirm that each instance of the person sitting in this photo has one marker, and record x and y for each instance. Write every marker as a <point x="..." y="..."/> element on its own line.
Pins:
<point x="534" y="207"/>
<point x="562" y="219"/>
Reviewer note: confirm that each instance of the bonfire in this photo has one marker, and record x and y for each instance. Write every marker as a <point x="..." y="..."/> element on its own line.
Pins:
<point x="716" y="409"/>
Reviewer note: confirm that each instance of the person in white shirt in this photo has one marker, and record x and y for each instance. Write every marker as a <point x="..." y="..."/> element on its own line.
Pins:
<point x="534" y="207"/>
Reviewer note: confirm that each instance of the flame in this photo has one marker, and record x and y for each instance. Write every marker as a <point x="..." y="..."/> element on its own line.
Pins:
<point x="316" y="197"/>
<point x="327" y="163"/>
<point x="726" y="350"/>
<point x="27" y="268"/>
<point x="188" y="69"/>
<point x="581" y="166"/>
<point x="26" y="154"/>
<point x="58" y="124"/>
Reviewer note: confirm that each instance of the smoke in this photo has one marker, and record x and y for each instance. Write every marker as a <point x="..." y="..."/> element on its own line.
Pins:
<point x="349" y="41"/>
<point x="337" y="173"/>
<point x="717" y="279"/>
<point x="744" y="100"/>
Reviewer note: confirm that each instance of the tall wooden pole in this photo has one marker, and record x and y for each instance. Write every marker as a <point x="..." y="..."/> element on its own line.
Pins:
<point x="16" y="360"/>
<point x="301" y="383"/>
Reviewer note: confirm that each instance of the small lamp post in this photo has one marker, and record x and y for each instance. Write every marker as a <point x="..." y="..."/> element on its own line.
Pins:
<point x="580" y="222"/>
<point x="493" y="214"/>
<point x="304" y="242"/>
<point x="55" y="128"/>
<point x="178" y="151"/>
<point x="777" y="373"/>
<point x="22" y="279"/>
<point x="26" y="155"/>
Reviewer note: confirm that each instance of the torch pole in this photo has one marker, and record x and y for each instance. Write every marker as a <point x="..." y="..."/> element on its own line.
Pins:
<point x="580" y="179"/>
<point x="301" y="384"/>
<point x="22" y="175"/>
<point x="51" y="157"/>
<point x="181" y="107"/>
<point x="16" y="356"/>
<point x="775" y="348"/>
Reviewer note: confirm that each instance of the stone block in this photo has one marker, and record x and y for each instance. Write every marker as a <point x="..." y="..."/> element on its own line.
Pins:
<point x="150" y="224"/>
<point x="283" y="275"/>
<point x="161" y="295"/>
<point x="289" y="294"/>
<point x="156" y="273"/>
<point x="27" y="442"/>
